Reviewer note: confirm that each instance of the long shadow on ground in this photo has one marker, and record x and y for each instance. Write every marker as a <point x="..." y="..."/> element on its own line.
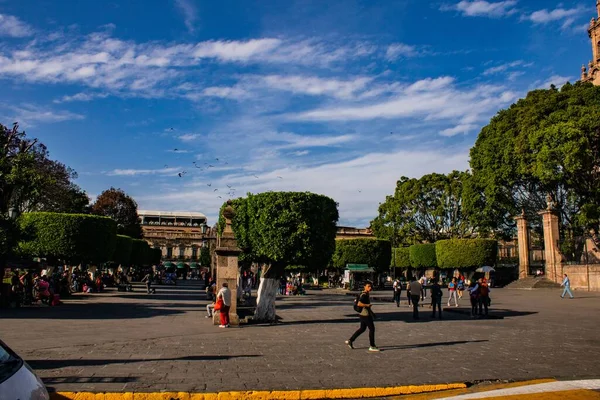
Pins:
<point x="89" y="310"/>
<point x="54" y="364"/>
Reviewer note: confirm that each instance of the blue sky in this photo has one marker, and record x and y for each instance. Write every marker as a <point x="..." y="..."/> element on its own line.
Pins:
<point x="335" y="97"/>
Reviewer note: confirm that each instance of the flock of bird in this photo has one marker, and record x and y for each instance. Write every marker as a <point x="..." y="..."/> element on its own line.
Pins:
<point x="205" y="167"/>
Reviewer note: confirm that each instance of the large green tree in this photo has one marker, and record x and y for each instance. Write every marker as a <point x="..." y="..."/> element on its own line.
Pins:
<point x="116" y="204"/>
<point x="426" y="209"/>
<point x="279" y="229"/>
<point x="543" y="149"/>
<point x="377" y="254"/>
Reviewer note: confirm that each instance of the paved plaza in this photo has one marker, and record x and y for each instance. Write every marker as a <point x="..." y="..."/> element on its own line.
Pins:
<point x="136" y="342"/>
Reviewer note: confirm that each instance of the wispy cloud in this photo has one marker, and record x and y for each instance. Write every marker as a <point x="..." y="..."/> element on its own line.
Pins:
<point x="563" y="15"/>
<point x="505" y="67"/>
<point x="556" y="80"/>
<point x="398" y="50"/>
<point x="482" y="8"/>
<point x="137" y="172"/>
<point x="80" y="97"/>
<point x="29" y="114"/>
<point x="190" y="13"/>
<point x="13" y="27"/>
<point x="189" y="137"/>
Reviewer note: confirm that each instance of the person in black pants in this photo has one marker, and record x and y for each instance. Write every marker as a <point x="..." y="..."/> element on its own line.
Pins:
<point x="415" y="294"/>
<point x="366" y="319"/>
<point x="436" y="298"/>
<point x="397" y="291"/>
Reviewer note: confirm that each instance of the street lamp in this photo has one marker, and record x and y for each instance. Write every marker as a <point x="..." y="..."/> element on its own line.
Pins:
<point x="203" y="227"/>
<point x="12" y="213"/>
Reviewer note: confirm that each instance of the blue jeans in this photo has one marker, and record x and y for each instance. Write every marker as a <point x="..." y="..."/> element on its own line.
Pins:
<point x="567" y="290"/>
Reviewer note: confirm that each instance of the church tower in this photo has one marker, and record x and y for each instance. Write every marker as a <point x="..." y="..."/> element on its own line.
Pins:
<point x="592" y="73"/>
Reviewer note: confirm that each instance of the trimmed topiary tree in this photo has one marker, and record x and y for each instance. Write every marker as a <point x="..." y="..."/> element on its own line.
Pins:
<point x="401" y="257"/>
<point x="139" y="252"/>
<point x="123" y="247"/>
<point x="70" y="238"/>
<point x="155" y="256"/>
<point x="423" y="255"/>
<point x="374" y="252"/>
<point x="466" y="253"/>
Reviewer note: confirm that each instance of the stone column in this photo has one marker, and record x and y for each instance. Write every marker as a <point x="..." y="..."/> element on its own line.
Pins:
<point x="552" y="253"/>
<point x="523" y="243"/>
<point x="227" y="269"/>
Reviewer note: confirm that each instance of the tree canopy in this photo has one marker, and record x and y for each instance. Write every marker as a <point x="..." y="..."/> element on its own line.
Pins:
<point x="466" y="253"/>
<point x="423" y="255"/>
<point x="426" y="209"/>
<point x="116" y="204"/>
<point x="547" y="144"/>
<point x="376" y="253"/>
<point x="285" y="228"/>
<point x="401" y="257"/>
<point x="72" y="238"/>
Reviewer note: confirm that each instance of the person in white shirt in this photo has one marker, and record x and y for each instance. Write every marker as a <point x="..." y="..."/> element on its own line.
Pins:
<point x="225" y="295"/>
<point x="423" y="282"/>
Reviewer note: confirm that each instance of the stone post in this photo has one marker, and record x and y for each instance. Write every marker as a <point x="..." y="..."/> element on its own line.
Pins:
<point x="523" y="243"/>
<point x="227" y="269"/>
<point x="552" y="253"/>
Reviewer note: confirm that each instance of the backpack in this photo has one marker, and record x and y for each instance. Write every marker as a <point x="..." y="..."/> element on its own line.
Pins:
<point x="484" y="290"/>
<point x="356" y="306"/>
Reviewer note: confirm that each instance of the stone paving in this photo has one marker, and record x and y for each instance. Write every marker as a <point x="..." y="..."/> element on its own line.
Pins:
<point x="138" y="342"/>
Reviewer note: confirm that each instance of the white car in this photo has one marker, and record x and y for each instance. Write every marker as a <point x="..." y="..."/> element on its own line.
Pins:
<point x="17" y="379"/>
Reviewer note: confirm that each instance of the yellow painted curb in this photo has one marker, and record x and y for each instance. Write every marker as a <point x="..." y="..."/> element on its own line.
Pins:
<point x="358" y="393"/>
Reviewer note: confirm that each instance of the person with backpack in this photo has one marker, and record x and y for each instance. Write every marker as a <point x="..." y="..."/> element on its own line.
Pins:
<point x="397" y="291"/>
<point x="436" y="298"/>
<point x="362" y="305"/>
<point x="484" y="297"/>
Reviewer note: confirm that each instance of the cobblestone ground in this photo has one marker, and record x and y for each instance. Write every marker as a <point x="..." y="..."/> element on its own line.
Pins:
<point x="133" y="341"/>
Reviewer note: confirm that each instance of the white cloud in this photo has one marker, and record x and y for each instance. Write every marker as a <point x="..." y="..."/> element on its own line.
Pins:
<point x="81" y="97"/>
<point x="373" y="174"/>
<point x="29" y="114"/>
<point x="505" y="67"/>
<point x="136" y="172"/>
<point x="458" y="129"/>
<point x="13" y="27"/>
<point x="223" y="92"/>
<point x="432" y="99"/>
<point x="190" y="14"/>
<point x="556" y="80"/>
<point x="301" y="153"/>
<point x="233" y="50"/>
<point x="397" y="50"/>
<point x="189" y="137"/>
<point x="315" y="86"/>
<point x="481" y="8"/>
<point x="559" y="14"/>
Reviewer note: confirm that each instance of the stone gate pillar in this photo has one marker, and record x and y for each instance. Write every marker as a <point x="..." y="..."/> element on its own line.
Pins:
<point x="227" y="254"/>
<point x="523" y="243"/>
<point x="552" y="252"/>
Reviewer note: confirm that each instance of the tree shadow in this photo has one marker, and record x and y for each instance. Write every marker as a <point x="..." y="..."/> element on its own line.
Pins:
<point x="55" y="364"/>
<point x="90" y="311"/>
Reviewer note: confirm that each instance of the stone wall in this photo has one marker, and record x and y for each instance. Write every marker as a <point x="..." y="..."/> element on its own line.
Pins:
<point x="583" y="277"/>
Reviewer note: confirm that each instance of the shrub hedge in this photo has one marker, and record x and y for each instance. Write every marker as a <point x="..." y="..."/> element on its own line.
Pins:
<point x="423" y="255"/>
<point x="401" y="257"/>
<point x="72" y="238"/>
<point x="376" y="253"/>
<point x="466" y="253"/>
<point x="140" y="252"/>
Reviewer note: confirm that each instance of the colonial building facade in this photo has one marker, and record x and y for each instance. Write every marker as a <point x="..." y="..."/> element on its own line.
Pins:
<point x="592" y="72"/>
<point x="179" y="235"/>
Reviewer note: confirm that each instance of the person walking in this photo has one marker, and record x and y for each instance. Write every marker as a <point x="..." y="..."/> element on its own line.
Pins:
<point x="225" y="295"/>
<point x="366" y="319"/>
<point x="474" y="296"/>
<point x="484" y="297"/>
<point x="567" y="285"/>
<point x="423" y="282"/>
<point x="460" y="287"/>
<point x="436" y="298"/>
<point x="452" y="292"/>
<point x="415" y="296"/>
<point x="397" y="291"/>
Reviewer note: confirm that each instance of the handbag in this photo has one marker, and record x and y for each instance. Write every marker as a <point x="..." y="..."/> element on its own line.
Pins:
<point x="219" y="304"/>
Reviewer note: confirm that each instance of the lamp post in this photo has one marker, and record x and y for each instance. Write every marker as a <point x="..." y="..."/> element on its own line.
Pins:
<point x="12" y="213"/>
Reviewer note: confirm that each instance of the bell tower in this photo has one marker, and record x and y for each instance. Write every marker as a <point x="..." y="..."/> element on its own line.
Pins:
<point x="592" y="72"/>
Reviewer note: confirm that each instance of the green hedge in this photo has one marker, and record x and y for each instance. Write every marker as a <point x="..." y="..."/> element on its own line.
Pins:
<point x="401" y="257"/>
<point x="122" y="253"/>
<point x="155" y="256"/>
<point x="72" y="238"/>
<point x="466" y="253"/>
<point x="376" y="253"/>
<point x="423" y="255"/>
<point x="140" y="253"/>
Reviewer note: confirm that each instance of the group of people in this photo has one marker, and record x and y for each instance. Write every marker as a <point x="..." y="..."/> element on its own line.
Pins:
<point x="291" y="287"/>
<point x="221" y="303"/>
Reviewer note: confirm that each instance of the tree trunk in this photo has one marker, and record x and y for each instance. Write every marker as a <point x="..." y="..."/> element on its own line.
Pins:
<point x="267" y="293"/>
